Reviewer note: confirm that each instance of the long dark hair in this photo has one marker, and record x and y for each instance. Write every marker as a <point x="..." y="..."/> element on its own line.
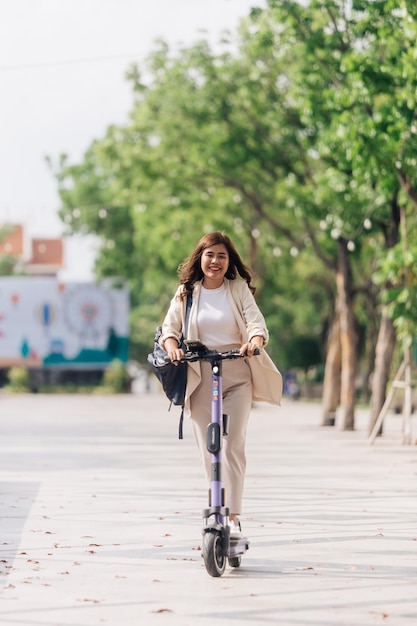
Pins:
<point x="190" y="270"/>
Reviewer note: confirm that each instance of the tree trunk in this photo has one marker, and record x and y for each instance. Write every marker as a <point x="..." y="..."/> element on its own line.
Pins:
<point x="348" y="336"/>
<point x="385" y="345"/>
<point x="332" y="375"/>
<point x="370" y="344"/>
<point x="383" y="358"/>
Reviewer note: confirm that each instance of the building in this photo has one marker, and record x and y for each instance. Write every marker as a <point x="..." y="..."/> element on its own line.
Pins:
<point x="34" y="257"/>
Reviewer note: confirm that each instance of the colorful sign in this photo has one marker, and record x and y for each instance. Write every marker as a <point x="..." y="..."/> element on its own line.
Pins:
<point x="45" y="322"/>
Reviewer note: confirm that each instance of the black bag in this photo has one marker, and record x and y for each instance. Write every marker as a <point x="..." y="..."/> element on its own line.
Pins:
<point x="173" y="378"/>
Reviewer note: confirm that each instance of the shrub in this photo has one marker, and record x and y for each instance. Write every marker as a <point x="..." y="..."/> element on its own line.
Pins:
<point x="19" y="379"/>
<point x="116" y="377"/>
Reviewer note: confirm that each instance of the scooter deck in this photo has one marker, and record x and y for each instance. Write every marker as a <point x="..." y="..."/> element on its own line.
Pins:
<point x="238" y="546"/>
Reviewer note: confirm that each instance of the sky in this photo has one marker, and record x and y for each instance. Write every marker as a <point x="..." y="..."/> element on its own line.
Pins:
<point x="62" y="67"/>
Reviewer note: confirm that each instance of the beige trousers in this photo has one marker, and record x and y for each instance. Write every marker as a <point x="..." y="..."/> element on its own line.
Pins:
<point x="237" y="402"/>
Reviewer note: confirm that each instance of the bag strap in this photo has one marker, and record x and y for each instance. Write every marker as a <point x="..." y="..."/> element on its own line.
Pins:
<point x="187" y="316"/>
<point x="187" y="312"/>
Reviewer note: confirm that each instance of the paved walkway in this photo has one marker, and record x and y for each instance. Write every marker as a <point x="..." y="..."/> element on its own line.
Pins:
<point x="100" y="510"/>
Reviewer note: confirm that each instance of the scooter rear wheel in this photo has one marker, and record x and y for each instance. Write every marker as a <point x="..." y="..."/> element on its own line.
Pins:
<point x="235" y="561"/>
<point x="214" y="561"/>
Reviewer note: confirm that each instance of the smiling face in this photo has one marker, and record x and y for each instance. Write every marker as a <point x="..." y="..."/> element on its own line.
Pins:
<point x="214" y="264"/>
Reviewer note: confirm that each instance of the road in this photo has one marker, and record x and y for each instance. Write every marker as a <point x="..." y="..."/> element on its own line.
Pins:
<point x="100" y="508"/>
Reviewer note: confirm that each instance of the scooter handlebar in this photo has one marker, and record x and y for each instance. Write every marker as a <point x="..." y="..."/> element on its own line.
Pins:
<point x="211" y="355"/>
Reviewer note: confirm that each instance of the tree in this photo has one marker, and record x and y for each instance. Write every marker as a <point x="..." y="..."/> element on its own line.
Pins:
<point x="355" y="88"/>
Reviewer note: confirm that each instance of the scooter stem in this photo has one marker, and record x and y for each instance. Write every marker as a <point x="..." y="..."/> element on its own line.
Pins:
<point x="216" y="436"/>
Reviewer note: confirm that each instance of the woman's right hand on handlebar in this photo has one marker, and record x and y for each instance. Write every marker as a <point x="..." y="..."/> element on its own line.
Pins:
<point x="176" y="355"/>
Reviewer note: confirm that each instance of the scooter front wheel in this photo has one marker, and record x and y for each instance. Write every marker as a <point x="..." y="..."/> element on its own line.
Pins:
<point x="214" y="560"/>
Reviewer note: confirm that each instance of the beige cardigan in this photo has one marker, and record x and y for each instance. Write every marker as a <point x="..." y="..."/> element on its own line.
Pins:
<point x="266" y="379"/>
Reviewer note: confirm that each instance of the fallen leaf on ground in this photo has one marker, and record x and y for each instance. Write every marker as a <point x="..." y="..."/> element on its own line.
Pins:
<point x="90" y="600"/>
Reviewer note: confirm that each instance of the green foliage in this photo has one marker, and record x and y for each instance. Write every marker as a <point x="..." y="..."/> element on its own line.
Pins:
<point x="7" y="264"/>
<point x="7" y="261"/>
<point x="303" y="352"/>
<point x="116" y="378"/>
<point x="397" y="276"/>
<point x="19" y="379"/>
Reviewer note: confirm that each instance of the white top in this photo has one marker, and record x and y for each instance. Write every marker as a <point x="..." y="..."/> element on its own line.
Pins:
<point x="216" y="323"/>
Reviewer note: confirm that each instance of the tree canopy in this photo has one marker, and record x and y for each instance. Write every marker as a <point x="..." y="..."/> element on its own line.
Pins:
<point x="299" y="140"/>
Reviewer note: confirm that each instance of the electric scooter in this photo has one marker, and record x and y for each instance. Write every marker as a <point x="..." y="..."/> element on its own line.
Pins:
<point x="219" y="546"/>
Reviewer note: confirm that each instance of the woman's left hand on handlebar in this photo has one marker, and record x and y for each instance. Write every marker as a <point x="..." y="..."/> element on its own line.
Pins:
<point x="248" y="349"/>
